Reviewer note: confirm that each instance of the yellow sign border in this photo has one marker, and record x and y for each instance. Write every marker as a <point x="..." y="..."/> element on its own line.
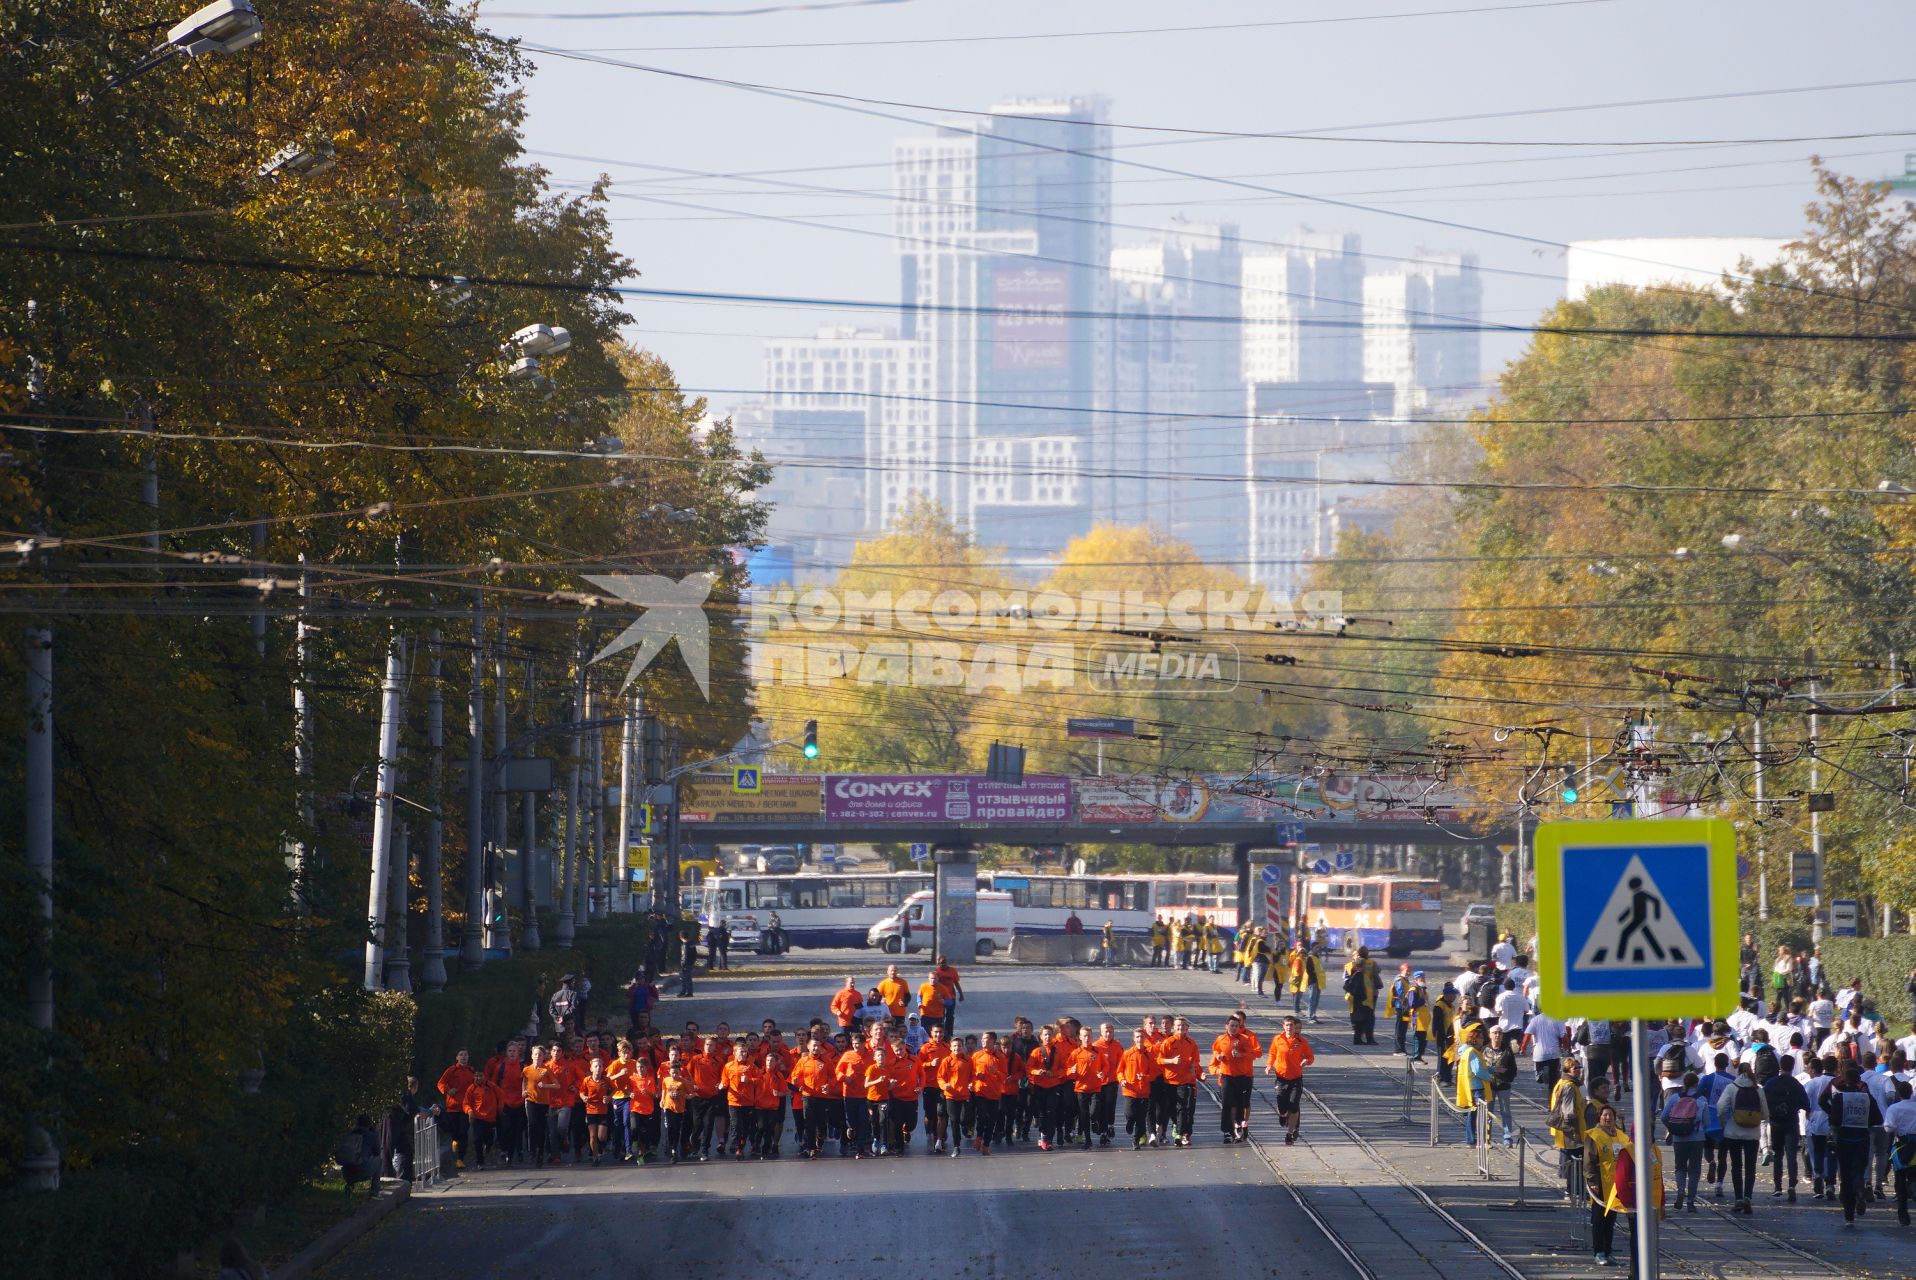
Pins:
<point x="1552" y="960"/>
<point x="758" y="778"/>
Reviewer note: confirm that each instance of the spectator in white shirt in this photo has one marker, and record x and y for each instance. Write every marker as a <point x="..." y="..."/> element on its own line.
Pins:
<point x="1513" y="1011"/>
<point x="1846" y="998"/>
<point x="1899" y="1125"/>
<point x="1543" y="1038"/>
<point x="1504" y="953"/>
<point x="1822" y="1013"/>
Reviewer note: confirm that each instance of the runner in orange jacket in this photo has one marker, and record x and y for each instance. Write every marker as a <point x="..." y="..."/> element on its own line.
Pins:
<point x="1178" y="1054"/>
<point x="1233" y="1062"/>
<point x="1138" y="1071"/>
<point x="1290" y="1054"/>
<point x="1087" y="1072"/>
<point x="990" y="1082"/>
<point x="955" y="1075"/>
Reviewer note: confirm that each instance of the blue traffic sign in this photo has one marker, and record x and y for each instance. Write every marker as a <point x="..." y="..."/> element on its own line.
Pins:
<point x="1322" y="866"/>
<point x="1290" y="833"/>
<point x="1637" y="918"/>
<point x="1270" y="875"/>
<point x="745" y="778"/>
<point x="1346" y="861"/>
<point x="920" y="851"/>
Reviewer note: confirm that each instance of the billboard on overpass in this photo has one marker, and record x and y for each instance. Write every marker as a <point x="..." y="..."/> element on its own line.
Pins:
<point x="944" y="798"/>
<point x="710" y="797"/>
<point x="1265" y="798"/>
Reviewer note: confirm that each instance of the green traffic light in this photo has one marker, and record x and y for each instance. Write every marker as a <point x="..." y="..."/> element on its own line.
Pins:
<point x="1569" y="795"/>
<point x="811" y="740"/>
<point x="811" y="750"/>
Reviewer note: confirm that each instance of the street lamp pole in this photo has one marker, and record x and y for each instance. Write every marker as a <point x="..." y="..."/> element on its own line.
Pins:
<point x="383" y="818"/>
<point x="432" y="957"/>
<point x="472" y="951"/>
<point x="40" y="1168"/>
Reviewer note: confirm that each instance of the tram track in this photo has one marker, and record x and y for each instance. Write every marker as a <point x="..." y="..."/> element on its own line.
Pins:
<point x="1396" y="1077"/>
<point x="1490" y="1254"/>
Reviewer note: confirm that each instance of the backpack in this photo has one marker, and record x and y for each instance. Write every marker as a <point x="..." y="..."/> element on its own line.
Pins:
<point x="1747" y="1109"/>
<point x="1624" y="1182"/>
<point x="1566" y="1110"/>
<point x="1766" y="1066"/>
<point x="1681" y="1118"/>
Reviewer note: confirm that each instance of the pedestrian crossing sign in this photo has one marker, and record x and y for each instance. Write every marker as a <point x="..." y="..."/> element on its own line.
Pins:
<point x="746" y="778"/>
<point x="1636" y="918"/>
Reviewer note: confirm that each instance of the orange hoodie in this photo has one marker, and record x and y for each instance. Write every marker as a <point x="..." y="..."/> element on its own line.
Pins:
<point x="1049" y="1065"/>
<point x="814" y="1078"/>
<point x="742" y="1082"/>
<point x="453" y="1083"/>
<point x="845" y="1006"/>
<point x="907" y="1080"/>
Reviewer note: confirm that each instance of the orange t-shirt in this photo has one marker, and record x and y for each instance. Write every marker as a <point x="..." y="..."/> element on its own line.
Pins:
<point x="1234" y="1055"/>
<point x="906" y="1079"/>
<point x="931" y="1002"/>
<point x="596" y="1095"/>
<point x="1178" y="1055"/>
<point x="742" y="1082"/>
<point x="644" y="1094"/>
<point x="955" y="1073"/>
<point x="845" y="1006"/>
<point x="1289" y="1056"/>
<point x="771" y="1086"/>
<point x="1137" y="1068"/>
<point x="704" y="1073"/>
<point x="896" y="995"/>
<point x="541" y="1085"/>
<point x="619" y="1073"/>
<point x="672" y="1091"/>
<point x="849" y="1070"/>
<point x="988" y="1074"/>
<point x="878" y="1079"/>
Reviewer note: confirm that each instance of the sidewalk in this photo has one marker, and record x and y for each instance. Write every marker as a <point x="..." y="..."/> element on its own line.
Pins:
<point x="1368" y="1195"/>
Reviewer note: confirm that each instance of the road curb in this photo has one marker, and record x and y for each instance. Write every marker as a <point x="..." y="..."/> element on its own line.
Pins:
<point x="323" y="1250"/>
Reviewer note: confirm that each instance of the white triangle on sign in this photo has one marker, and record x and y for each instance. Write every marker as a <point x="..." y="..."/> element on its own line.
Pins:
<point x="1637" y="929"/>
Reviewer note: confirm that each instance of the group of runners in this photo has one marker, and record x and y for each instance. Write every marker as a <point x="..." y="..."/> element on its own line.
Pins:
<point x="861" y="1089"/>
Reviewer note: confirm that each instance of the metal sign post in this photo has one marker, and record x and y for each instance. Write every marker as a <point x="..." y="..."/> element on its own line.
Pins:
<point x="1637" y="918"/>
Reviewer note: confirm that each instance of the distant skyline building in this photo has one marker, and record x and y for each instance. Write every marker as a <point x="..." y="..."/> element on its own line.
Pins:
<point x="1041" y="381"/>
<point x="1420" y="331"/>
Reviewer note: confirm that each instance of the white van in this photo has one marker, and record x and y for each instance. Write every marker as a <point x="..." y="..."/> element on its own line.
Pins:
<point x="994" y="924"/>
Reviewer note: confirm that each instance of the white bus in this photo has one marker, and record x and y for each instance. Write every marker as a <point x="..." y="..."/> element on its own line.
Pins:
<point x="1043" y="904"/>
<point x="813" y="910"/>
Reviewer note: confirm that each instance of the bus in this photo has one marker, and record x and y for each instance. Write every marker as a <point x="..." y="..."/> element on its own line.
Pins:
<point x="1043" y="904"/>
<point x="1392" y="914"/>
<point x="813" y="910"/>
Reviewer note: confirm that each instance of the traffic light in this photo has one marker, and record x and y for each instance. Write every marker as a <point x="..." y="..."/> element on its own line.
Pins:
<point x="811" y="739"/>
<point x="1569" y="784"/>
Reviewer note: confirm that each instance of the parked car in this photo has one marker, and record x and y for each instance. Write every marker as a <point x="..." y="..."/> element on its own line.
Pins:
<point x="1477" y="913"/>
<point x="777" y="860"/>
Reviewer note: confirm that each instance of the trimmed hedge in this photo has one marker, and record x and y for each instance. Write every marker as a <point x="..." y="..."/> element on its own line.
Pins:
<point x="493" y="1002"/>
<point x="346" y="1054"/>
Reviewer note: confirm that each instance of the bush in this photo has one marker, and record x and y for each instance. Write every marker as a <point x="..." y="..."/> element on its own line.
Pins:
<point x="1519" y="919"/>
<point x="1882" y="963"/>
<point x="481" y="1007"/>
<point x="344" y="1052"/>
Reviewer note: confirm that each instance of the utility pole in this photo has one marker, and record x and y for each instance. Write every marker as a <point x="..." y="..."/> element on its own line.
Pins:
<point x="665" y="879"/>
<point x="566" y="930"/>
<point x="529" y="827"/>
<point x="595" y="908"/>
<point x="383" y="817"/>
<point x="432" y="957"/>
<point x="302" y="735"/>
<point x="40" y="1167"/>
<point x="588" y="809"/>
<point x="1762" y="858"/>
<point x="500" y="837"/>
<point x="1816" y="830"/>
<point x="259" y="601"/>
<point x="398" y="902"/>
<point x="622" y="836"/>
<point x="150" y="475"/>
<point x="472" y="951"/>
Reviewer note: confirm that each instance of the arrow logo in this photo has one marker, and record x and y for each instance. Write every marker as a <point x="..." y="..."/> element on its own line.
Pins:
<point x="674" y="611"/>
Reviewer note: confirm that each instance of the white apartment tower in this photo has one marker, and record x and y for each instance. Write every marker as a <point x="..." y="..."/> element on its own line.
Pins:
<point x="1419" y="330"/>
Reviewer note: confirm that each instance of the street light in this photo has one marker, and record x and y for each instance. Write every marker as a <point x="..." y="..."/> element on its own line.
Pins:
<point x="300" y="160"/>
<point x="539" y="340"/>
<point x="225" y="26"/>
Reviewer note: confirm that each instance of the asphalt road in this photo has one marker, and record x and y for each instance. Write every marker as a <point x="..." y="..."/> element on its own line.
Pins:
<point x="1210" y="1210"/>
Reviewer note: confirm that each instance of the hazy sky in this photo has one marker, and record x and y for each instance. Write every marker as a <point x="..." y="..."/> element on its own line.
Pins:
<point x="586" y="119"/>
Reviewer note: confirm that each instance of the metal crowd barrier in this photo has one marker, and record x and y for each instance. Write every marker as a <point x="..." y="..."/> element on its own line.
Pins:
<point x="426" y="1168"/>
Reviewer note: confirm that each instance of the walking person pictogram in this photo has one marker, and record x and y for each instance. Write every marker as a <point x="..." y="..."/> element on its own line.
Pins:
<point x="1646" y="933"/>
